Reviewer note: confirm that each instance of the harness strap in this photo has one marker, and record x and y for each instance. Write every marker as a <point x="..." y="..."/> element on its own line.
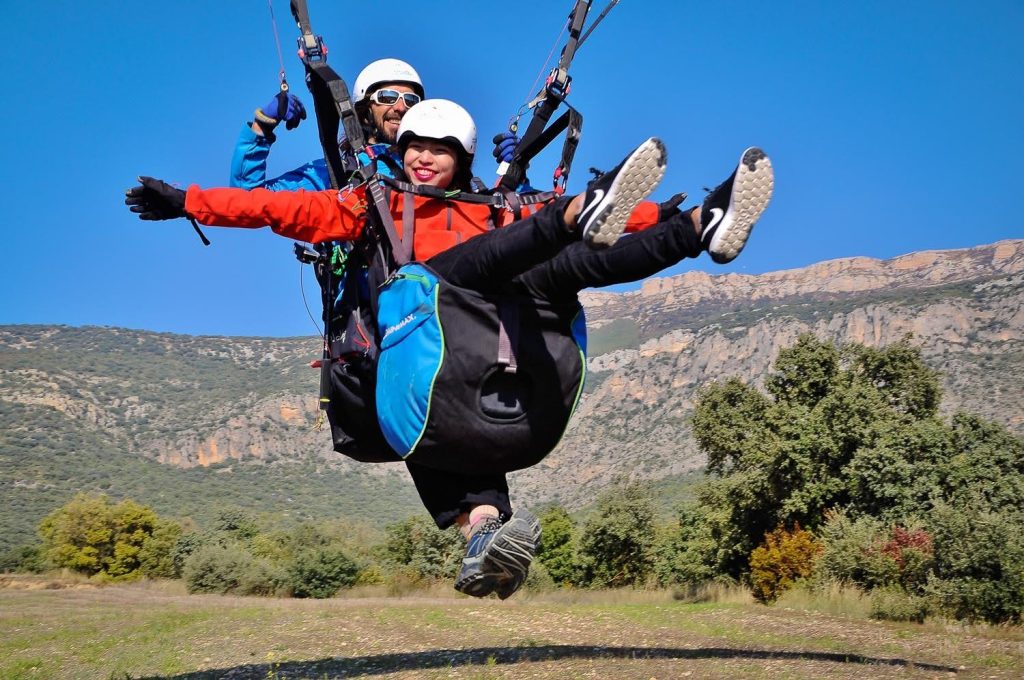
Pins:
<point x="548" y="99"/>
<point x="497" y="198"/>
<point x="508" y="334"/>
<point x="572" y="140"/>
<point x="408" y="224"/>
<point x="600" y="17"/>
<point x="435" y="192"/>
<point x="382" y="212"/>
<point x="513" y="202"/>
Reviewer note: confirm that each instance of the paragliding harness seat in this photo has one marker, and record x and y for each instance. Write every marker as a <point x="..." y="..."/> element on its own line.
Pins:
<point x="454" y="378"/>
<point x="416" y="367"/>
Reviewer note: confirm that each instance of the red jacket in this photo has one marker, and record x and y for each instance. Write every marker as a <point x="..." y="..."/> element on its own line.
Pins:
<point x="317" y="216"/>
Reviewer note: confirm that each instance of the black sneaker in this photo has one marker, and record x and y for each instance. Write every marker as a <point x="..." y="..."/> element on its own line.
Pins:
<point x="732" y="208"/>
<point x="610" y="198"/>
<point x="498" y="555"/>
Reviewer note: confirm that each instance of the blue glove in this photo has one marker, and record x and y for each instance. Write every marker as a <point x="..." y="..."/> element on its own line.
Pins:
<point x="283" y="106"/>
<point x="505" y="146"/>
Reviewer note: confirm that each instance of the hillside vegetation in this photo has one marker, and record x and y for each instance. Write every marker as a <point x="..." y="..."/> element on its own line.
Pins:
<point x="189" y="425"/>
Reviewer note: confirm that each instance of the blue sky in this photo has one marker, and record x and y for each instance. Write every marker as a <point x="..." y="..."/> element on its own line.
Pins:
<point x="893" y="127"/>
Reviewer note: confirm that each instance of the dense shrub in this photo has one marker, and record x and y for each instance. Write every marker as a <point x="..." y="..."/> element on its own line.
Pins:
<point x="784" y="558"/>
<point x="26" y="559"/>
<point x="979" y="564"/>
<point x="156" y="558"/>
<point x="184" y="547"/>
<point x="872" y="554"/>
<point x="557" y="551"/>
<point x="913" y="553"/>
<point x="849" y="552"/>
<point x="320" y="573"/>
<point x="691" y="554"/>
<point x="539" y="580"/>
<point x="229" y="569"/>
<point x="617" y="543"/>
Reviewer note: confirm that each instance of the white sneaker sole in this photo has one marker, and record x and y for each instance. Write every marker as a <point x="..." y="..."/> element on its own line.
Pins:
<point x="638" y="177"/>
<point x="751" y="192"/>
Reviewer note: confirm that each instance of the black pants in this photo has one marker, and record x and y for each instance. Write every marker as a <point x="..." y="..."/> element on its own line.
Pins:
<point x="447" y="495"/>
<point x="540" y="256"/>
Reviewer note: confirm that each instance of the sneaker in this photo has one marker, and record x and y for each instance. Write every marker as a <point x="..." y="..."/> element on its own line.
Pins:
<point x="508" y="585"/>
<point x="498" y="555"/>
<point x="732" y="208"/>
<point x="610" y="198"/>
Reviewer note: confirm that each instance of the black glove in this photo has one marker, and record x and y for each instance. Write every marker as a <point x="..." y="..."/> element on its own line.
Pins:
<point x="154" y="199"/>
<point x="670" y="207"/>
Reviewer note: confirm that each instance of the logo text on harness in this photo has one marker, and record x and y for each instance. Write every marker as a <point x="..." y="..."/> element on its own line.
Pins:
<point x="401" y="324"/>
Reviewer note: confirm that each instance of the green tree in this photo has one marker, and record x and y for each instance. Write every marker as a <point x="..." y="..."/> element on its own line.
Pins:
<point x="831" y="432"/>
<point x="237" y="523"/>
<point x="26" y="558"/>
<point x="92" y="536"/>
<point x="156" y="557"/>
<point x="558" y="545"/>
<point x="697" y="550"/>
<point x="417" y="545"/>
<point x="854" y="428"/>
<point x="985" y="470"/>
<point x="617" y="544"/>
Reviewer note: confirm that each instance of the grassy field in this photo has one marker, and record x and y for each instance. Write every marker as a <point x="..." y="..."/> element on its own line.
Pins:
<point x="60" y="629"/>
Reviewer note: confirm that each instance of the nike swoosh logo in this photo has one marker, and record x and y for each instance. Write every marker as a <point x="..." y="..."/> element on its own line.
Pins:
<point x="598" y="197"/>
<point x="716" y="217"/>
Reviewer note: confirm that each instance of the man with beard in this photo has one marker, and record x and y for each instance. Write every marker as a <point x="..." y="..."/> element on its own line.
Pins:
<point x="383" y="92"/>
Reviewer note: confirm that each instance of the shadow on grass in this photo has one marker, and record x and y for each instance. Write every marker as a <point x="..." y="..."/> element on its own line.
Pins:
<point x="380" y="664"/>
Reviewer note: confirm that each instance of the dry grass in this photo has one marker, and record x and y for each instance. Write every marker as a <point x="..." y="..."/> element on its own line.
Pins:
<point x="153" y="630"/>
<point x="835" y="599"/>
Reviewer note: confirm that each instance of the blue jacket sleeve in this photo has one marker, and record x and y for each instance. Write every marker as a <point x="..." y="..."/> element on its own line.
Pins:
<point x="249" y="168"/>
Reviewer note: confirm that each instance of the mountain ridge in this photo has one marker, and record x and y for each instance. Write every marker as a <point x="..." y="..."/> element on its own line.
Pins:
<point x="214" y="402"/>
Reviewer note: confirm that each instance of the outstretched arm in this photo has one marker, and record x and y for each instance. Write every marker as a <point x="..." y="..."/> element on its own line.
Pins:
<point x="312" y="216"/>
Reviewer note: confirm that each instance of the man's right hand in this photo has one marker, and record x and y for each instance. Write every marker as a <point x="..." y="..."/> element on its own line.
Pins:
<point x="505" y="146"/>
<point x="283" y="107"/>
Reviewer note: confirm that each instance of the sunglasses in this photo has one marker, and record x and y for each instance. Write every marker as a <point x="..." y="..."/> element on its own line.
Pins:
<point x="391" y="97"/>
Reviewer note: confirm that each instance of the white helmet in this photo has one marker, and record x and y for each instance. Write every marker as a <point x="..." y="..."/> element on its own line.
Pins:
<point x="385" y="71"/>
<point x="442" y="120"/>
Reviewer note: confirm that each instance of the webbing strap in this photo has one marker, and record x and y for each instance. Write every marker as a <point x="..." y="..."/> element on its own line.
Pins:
<point x="513" y="202"/>
<point x="408" y="224"/>
<point x="499" y="198"/>
<point x="334" y="107"/>
<point x="435" y="192"/>
<point x="572" y="140"/>
<point x="380" y="210"/>
<point x="508" y="334"/>
<point x="548" y="99"/>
